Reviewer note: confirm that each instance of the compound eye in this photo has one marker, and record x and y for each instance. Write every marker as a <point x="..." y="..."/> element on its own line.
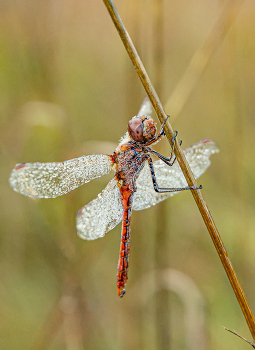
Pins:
<point x="149" y="130"/>
<point x="135" y="129"/>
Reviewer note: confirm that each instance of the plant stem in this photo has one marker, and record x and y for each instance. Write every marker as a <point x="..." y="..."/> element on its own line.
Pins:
<point x="211" y="227"/>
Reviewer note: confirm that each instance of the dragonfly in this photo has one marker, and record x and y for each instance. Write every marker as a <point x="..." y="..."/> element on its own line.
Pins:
<point x="138" y="183"/>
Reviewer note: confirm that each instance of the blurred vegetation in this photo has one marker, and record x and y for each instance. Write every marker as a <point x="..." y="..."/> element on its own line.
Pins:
<point x="67" y="88"/>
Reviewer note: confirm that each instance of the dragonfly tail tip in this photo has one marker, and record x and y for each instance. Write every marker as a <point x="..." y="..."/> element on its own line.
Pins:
<point x="122" y="293"/>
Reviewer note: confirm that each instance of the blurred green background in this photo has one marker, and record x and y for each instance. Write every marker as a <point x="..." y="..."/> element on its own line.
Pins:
<point x="67" y="88"/>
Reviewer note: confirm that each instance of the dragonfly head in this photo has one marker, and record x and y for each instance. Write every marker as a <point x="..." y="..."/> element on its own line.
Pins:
<point x="142" y="129"/>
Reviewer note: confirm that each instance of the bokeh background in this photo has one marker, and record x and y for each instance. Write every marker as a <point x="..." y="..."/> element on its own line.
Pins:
<point x="68" y="88"/>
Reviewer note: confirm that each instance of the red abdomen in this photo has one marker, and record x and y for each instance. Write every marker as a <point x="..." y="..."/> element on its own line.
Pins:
<point x="122" y="275"/>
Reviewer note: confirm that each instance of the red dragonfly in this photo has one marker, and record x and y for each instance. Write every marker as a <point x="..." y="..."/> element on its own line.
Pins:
<point x="134" y="186"/>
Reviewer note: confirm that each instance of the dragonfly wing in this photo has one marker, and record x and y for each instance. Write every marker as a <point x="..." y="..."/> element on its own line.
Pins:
<point x="102" y="214"/>
<point x="146" y="108"/>
<point x="50" y="180"/>
<point x="171" y="177"/>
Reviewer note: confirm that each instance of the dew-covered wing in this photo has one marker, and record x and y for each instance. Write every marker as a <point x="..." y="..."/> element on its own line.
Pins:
<point x="146" y="108"/>
<point x="100" y="215"/>
<point x="172" y="177"/>
<point x="50" y="180"/>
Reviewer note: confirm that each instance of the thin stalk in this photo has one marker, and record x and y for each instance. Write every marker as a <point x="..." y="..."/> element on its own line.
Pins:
<point x="211" y="227"/>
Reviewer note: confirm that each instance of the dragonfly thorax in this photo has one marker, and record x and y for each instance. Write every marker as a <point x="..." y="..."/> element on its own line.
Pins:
<point x="142" y="129"/>
<point x="128" y="162"/>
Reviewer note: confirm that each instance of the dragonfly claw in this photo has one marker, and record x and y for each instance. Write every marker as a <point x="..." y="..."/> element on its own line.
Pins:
<point x="196" y="188"/>
<point x="122" y="293"/>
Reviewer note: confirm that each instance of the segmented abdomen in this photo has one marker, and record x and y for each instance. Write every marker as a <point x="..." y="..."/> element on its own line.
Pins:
<point x="122" y="275"/>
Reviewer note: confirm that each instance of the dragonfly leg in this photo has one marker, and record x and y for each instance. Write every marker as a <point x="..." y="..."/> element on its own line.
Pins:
<point x="161" y="131"/>
<point x="174" y="138"/>
<point x="171" y="159"/>
<point x="164" y="190"/>
<point x="159" y="135"/>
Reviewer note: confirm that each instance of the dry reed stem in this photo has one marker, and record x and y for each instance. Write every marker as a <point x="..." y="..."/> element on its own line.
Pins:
<point x="233" y="332"/>
<point x="211" y="227"/>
